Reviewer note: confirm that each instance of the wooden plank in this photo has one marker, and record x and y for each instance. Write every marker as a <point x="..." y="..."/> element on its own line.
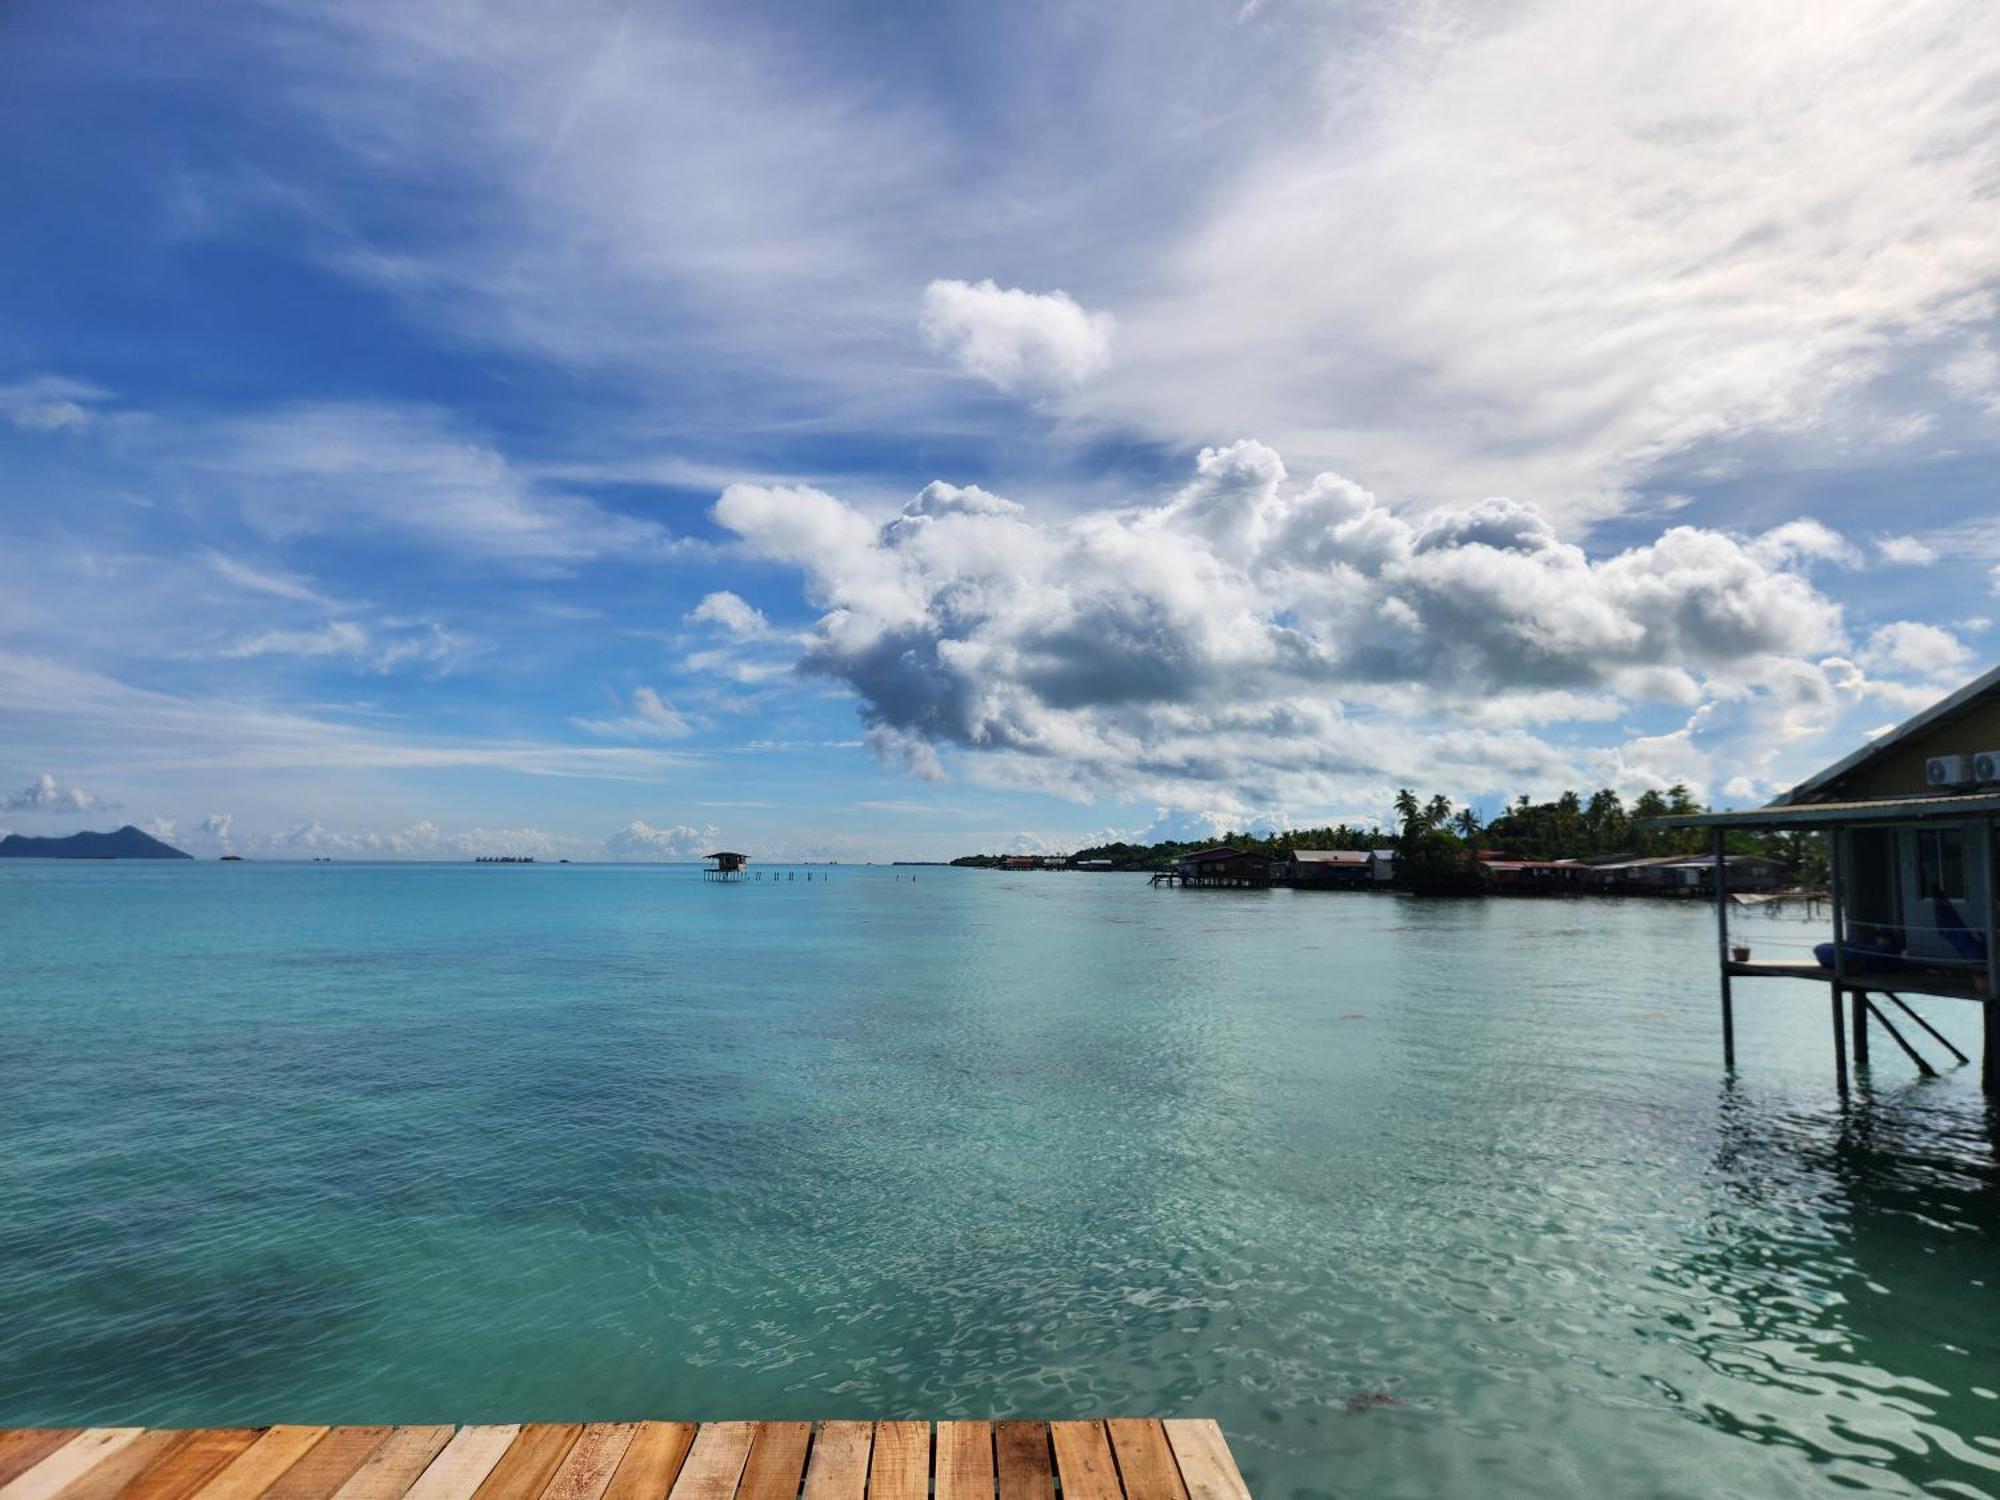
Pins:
<point x="1022" y="1449"/>
<point x="530" y="1462"/>
<point x="714" y="1462"/>
<point x="24" y="1447"/>
<point x="777" y="1459"/>
<point x="899" y="1468"/>
<point x="464" y="1464"/>
<point x="652" y="1461"/>
<point x="965" y="1461"/>
<point x="587" y="1469"/>
<point x="1084" y="1462"/>
<point x="394" y="1465"/>
<point x="108" y="1479"/>
<point x="258" y="1466"/>
<point x="63" y="1466"/>
<point x="329" y="1465"/>
<point x="1145" y="1459"/>
<point x="839" y="1466"/>
<point x="184" y="1467"/>
<point x="1206" y="1463"/>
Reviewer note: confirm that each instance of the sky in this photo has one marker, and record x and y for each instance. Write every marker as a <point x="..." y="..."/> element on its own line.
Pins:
<point x="858" y="431"/>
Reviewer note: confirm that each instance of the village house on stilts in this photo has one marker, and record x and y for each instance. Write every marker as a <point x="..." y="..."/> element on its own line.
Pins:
<point x="1913" y="879"/>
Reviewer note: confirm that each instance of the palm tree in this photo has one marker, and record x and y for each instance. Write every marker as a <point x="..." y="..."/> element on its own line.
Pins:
<point x="1408" y="810"/>
<point x="1437" y="812"/>
<point x="1467" y="823"/>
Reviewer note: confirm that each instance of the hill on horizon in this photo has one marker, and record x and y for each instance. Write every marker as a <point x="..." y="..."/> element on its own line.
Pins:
<point x="126" y="843"/>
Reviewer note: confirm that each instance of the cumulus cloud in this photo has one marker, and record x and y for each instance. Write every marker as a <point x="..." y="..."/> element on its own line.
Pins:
<point x="160" y="828"/>
<point x="46" y="794"/>
<point x="1021" y="342"/>
<point x="640" y="840"/>
<point x="734" y="615"/>
<point x="1232" y="642"/>
<point x="1911" y="648"/>
<point x="1908" y="550"/>
<point x="420" y="840"/>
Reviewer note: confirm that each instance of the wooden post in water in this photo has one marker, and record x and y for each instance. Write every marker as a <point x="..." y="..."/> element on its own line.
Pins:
<point x="1857" y="1011"/>
<point x="1833" y="896"/>
<point x="1722" y="954"/>
<point x="1989" y="1073"/>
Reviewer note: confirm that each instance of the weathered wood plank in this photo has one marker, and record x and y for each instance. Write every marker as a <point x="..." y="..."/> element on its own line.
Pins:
<point x="394" y="1466"/>
<point x="1022" y="1449"/>
<point x="21" y="1448"/>
<point x="457" y="1472"/>
<point x="714" y="1462"/>
<point x="652" y="1461"/>
<point x="1207" y="1466"/>
<point x="63" y="1466"/>
<point x="587" y="1468"/>
<point x="330" y="1464"/>
<point x="965" y="1461"/>
<point x="258" y="1466"/>
<point x="530" y="1461"/>
<point x="107" y="1480"/>
<point x="777" y="1459"/>
<point x="1145" y="1460"/>
<point x="838" y="1469"/>
<point x="183" y="1468"/>
<point x="899" y="1468"/>
<point x="1084" y="1462"/>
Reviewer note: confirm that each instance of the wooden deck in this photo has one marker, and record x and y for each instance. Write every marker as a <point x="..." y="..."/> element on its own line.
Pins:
<point x="1878" y="982"/>
<point x="1115" y="1459"/>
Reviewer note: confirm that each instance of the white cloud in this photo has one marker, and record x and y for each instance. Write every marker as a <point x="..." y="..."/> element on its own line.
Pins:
<point x="46" y="794"/>
<point x="734" y="615"/>
<point x="1907" y="646"/>
<point x="51" y="403"/>
<point x="334" y="469"/>
<point x="47" y="703"/>
<point x="160" y="828"/>
<point x="1549" y="246"/>
<point x="420" y="840"/>
<point x="1907" y="550"/>
<point x="652" y="717"/>
<point x="640" y="840"/>
<point x="1018" y="341"/>
<point x="1207" y="651"/>
<point x="335" y="638"/>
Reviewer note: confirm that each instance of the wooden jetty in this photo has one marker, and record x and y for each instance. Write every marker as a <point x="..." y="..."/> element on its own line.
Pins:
<point x="1112" y="1459"/>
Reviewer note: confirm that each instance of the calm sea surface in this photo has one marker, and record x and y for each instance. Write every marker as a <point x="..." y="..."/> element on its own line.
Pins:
<point x="396" y="1143"/>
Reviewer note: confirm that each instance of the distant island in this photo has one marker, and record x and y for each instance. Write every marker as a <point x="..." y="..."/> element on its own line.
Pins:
<point x="127" y="843"/>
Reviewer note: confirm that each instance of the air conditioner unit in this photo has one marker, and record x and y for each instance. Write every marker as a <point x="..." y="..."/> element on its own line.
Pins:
<point x="1944" y="772"/>
<point x="1986" y="766"/>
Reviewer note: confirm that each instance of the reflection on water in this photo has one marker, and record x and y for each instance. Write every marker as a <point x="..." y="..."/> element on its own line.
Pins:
<point x="1417" y="1199"/>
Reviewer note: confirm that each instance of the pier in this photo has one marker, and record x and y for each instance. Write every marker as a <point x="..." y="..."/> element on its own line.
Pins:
<point x="1111" y="1459"/>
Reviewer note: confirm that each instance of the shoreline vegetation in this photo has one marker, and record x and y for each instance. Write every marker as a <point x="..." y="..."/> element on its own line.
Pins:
<point x="1444" y="849"/>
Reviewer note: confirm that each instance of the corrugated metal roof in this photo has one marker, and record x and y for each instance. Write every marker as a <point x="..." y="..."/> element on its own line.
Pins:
<point x="1809" y="814"/>
<point x="1331" y="856"/>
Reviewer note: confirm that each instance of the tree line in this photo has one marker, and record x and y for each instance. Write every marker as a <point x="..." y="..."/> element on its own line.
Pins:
<point x="1434" y="836"/>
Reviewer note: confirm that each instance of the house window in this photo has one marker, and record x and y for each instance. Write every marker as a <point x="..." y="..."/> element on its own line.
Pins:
<point x="1941" y="863"/>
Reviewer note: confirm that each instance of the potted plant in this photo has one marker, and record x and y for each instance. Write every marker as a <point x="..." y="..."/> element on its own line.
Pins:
<point x="1740" y="952"/>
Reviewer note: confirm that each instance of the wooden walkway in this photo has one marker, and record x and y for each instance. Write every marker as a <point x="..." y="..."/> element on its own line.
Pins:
<point x="1117" y="1459"/>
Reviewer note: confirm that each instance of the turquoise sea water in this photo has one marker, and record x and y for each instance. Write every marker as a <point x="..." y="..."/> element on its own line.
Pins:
<point x="387" y="1143"/>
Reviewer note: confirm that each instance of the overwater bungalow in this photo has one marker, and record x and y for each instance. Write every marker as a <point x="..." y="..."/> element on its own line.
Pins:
<point x="725" y="865"/>
<point x="1909" y="821"/>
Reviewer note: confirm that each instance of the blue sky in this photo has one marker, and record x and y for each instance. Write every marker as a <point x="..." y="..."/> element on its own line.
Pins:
<point x="867" y="430"/>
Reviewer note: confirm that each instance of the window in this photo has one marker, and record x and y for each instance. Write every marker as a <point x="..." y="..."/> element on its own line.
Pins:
<point x="1941" y="863"/>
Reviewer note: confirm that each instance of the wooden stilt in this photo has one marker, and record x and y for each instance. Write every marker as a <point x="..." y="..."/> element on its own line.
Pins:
<point x="1937" y="1036"/>
<point x="1857" y="1013"/>
<point x="1833" y="892"/>
<point x="1722" y="952"/>
<point x="1915" y="1056"/>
